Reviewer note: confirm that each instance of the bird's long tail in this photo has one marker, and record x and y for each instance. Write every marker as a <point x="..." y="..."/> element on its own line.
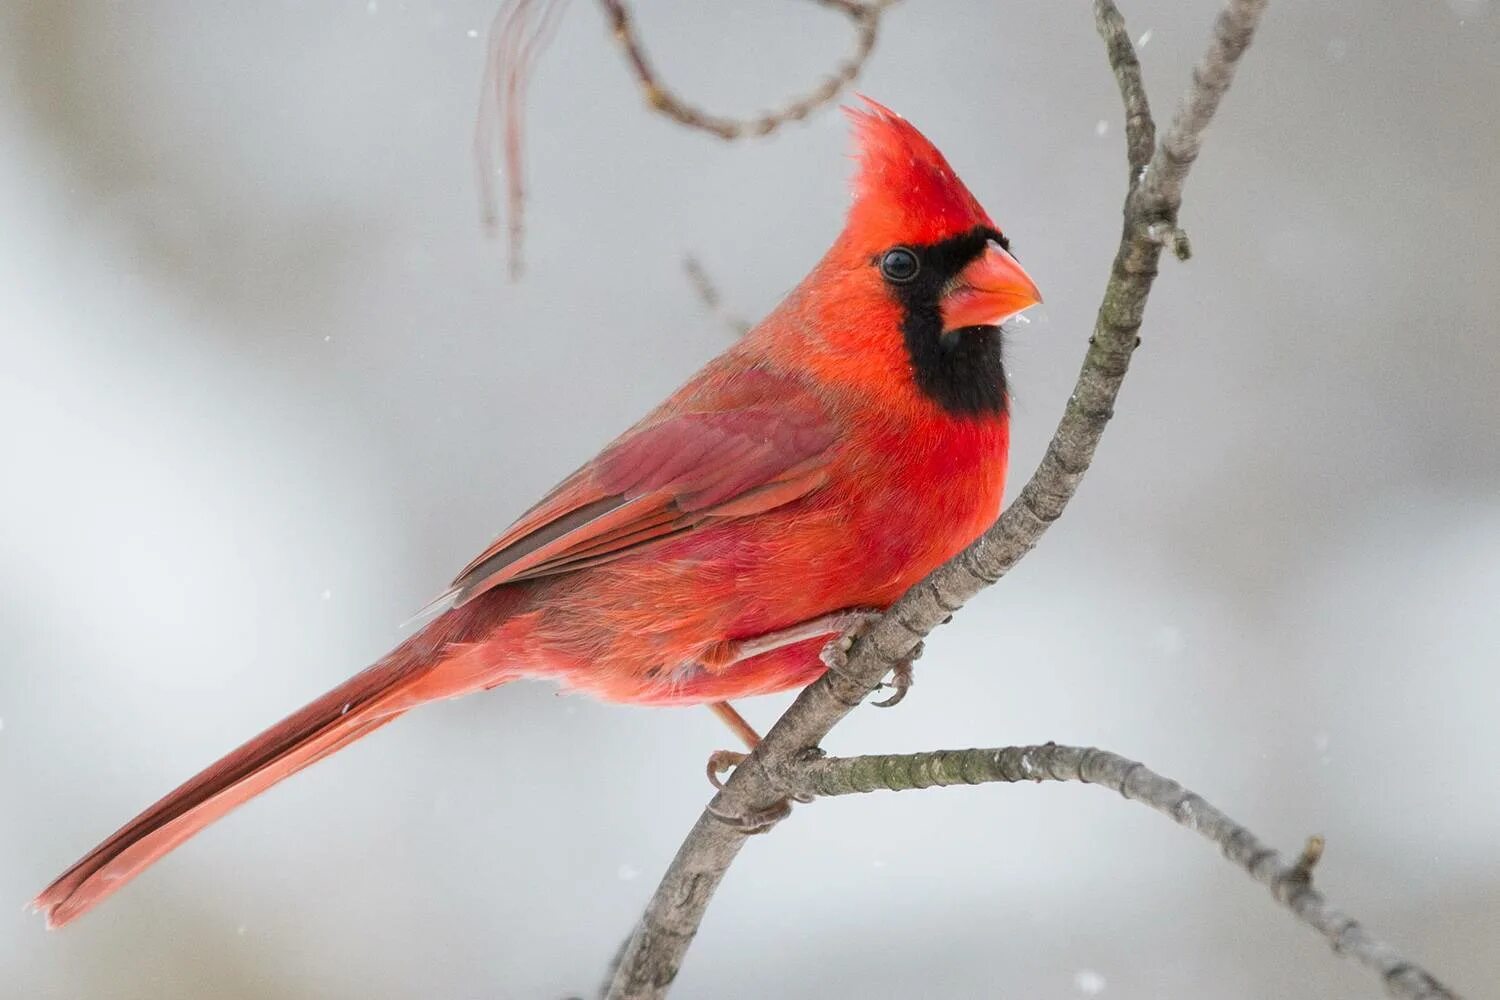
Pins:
<point x="413" y="673"/>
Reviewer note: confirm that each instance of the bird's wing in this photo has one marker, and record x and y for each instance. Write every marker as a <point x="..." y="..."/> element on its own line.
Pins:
<point x="658" y="481"/>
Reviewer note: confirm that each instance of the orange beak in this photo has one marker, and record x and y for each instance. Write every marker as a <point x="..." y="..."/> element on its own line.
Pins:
<point x="988" y="292"/>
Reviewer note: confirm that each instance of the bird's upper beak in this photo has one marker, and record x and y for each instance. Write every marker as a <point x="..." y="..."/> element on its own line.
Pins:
<point x="991" y="290"/>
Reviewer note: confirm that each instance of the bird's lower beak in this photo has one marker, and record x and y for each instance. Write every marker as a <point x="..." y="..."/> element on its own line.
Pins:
<point x="988" y="292"/>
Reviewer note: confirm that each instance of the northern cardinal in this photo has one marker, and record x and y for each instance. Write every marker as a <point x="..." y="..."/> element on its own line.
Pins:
<point x="825" y="463"/>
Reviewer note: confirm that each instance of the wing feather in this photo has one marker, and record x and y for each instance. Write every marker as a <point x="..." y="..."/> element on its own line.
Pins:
<point x="657" y="482"/>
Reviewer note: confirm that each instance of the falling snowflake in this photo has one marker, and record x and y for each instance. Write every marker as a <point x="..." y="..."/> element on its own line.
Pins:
<point x="1089" y="982"/>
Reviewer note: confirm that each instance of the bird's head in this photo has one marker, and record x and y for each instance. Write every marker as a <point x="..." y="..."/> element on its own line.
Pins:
<point x="919" y="254"/>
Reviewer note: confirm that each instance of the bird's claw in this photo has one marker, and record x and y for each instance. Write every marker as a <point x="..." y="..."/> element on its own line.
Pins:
<point x="835" y="656"/>
<point x="835" y="652"/>
<point x="902" y="678"/>
<point x="722" y="761"/>
<point x="756" y="820"/>
<point x="753" y="821"/>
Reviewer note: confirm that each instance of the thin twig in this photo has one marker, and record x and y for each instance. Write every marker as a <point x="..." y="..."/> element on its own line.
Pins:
<point x="708" y="294"/>
<point x="1290" y="884"/>
<point x="1140" y="127"/>
<point x="1233" y="30"/>
<point x="865" y="18"/>
<point x="1160" y="187"/>
<point x="517" y="37"/>
<point x="753" y="792"/>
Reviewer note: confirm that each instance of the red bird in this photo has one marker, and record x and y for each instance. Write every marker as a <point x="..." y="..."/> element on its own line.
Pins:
<point x="825" y="463"/>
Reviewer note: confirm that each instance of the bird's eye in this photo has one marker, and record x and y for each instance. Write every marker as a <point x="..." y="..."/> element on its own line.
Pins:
<point x="899" y="265"/>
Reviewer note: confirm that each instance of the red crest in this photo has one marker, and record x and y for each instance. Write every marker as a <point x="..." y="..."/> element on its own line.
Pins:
<point x="904" y="190"/>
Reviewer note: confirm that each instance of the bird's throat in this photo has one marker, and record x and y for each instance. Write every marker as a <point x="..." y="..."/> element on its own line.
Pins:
<point x="962" y="370"/>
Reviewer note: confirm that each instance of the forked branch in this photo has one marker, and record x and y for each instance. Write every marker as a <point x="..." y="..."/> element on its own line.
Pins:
<point x="788" y="764"/>
<point x="655" y="951"/>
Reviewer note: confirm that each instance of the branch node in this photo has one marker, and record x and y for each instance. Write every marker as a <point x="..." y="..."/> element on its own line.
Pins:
<point x="1165" y="234"/>
<point x="1124" y="789"/>
<point x="1312" y="853"/>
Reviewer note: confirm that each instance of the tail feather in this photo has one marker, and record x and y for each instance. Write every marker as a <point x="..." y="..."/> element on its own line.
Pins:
<point x="359" y="706"/>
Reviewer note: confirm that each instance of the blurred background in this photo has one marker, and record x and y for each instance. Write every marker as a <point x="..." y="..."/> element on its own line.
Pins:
<point x="266" y="387"/>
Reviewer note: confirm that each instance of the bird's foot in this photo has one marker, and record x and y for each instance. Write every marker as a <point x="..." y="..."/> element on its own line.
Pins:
<point x="855" y="623"/>
<point x="755" y="821"/>
<point x="722" y="762"/>
<point x="835" y="656"/>
<point x="902" y="678"/>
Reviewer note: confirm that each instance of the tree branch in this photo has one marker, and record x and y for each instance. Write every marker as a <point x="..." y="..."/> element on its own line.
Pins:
<point x="1290" y="883"/>
<point x="1140" y="127"/>
<point x="708" y="294"/>
<point x="750" y="799"/>
<point x="1233" y="30"/>
<point x="864" y="16"/>
<point x="522" y="29"/>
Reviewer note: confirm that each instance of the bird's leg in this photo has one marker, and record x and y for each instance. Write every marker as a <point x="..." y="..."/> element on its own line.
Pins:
<point x="728" y="652"/>
<point x="736" y="722"/>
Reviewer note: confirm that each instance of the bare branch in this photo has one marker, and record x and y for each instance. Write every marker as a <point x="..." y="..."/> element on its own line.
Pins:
<point x="764" y="783"/>
<point x="1140" y="127"/>
<point x="757" y="791"/>
<point x="708" y="294"/>
<point x="1234" y="28"/>
<point x="520" y="32"/>
<point x="865" y="17"/>
<point x="1290" y="884"/>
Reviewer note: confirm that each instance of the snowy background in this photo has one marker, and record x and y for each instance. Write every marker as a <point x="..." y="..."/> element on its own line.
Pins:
<point x="265" y="387"/>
